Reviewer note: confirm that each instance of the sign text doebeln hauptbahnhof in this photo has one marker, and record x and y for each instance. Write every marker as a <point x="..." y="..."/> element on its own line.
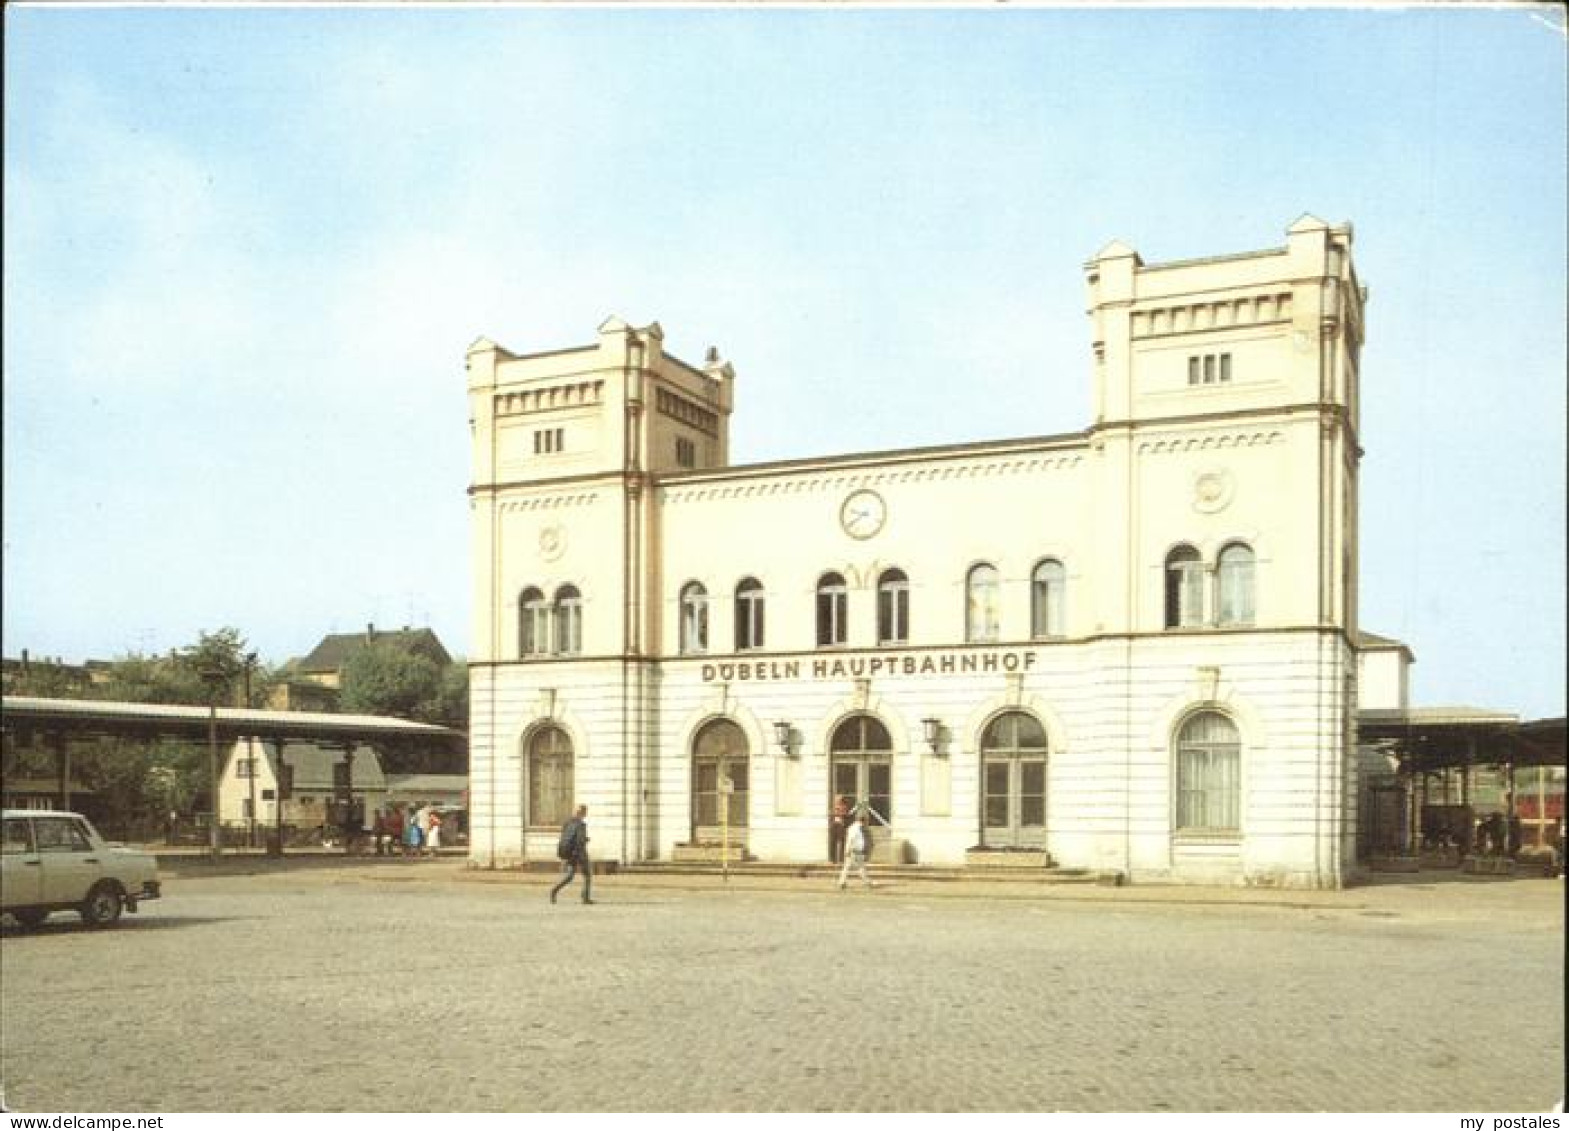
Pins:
<point x="864" y="667"/>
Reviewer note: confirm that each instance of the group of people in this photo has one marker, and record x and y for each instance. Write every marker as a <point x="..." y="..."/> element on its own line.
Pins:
<point x="850" y="845"/>
<point x="395" y="830"/>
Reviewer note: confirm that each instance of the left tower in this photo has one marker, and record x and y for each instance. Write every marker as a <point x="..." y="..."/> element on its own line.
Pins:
<point x="566" y="603"/>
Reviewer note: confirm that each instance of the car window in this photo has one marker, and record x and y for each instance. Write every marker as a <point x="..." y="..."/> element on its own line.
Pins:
<point x="18" y="838"/>
<point x="60" y="834"/>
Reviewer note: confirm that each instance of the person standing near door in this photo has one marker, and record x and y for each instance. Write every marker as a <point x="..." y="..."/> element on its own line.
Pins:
<point x="858" y="842"/>
<point x="838" y="826"/>
<point x="573" y="851"/>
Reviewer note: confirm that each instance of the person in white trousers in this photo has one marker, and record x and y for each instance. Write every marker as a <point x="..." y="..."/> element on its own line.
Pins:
<point x="856" y="843"/>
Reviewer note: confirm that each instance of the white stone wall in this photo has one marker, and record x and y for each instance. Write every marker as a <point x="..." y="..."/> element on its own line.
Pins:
<point x="1111" y="710"/>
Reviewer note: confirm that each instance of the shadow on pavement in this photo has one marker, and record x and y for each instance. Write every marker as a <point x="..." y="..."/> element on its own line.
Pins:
<point x="67" y="923"/>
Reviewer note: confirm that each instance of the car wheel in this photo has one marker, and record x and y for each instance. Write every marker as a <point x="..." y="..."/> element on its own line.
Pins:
<point x="102" y="906"/>
<point x="30" y="917"/>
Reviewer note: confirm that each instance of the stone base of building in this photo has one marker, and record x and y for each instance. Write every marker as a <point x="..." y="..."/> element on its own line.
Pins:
<point x="1488" y="866"/>
<point x="895" y="851"/>
<point x="1397" y="863"/>
<point x="709" y="853"/>
<point x="994" y="858"/>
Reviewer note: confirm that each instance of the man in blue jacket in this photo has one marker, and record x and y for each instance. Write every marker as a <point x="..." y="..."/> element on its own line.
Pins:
<point x="573" y="850"/>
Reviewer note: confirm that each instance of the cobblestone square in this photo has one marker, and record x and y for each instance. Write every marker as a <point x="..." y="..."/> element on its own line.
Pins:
<point x="420" y="987"/>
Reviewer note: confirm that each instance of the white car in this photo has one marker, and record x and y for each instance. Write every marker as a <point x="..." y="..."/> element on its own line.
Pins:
<point x="56" y="861"/>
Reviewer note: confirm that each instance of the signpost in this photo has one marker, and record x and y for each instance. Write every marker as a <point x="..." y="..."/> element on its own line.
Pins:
<point x="726" y="788"/>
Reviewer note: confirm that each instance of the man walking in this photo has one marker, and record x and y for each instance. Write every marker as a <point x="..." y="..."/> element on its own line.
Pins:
<point x="858" y="842"/>
<point x="573" y="850"/>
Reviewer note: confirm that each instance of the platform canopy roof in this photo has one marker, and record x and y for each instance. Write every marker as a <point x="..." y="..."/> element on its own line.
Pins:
<point x="1432" y="738"/>
<point x="22" y="715"/>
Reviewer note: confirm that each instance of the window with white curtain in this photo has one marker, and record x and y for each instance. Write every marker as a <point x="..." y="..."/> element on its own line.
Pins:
<point x="982" y="624"/>
<point x="1234" y="586"/>
<point x="533" y="624"/>
<point x="694" y="618"/>
<point x="1047" y="587"/>
<point x="1209" y="775"/>
<point x="569" y="621"/>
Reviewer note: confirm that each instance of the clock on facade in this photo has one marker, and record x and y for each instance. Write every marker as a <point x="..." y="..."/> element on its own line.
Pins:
<point x="863" y="513"/>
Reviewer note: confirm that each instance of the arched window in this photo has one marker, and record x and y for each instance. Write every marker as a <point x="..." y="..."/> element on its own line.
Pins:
<point x="832" y="610"/>
<point x="1209" y="774"/>
<point x="694" y="618"/>
<point x="533" y="623"/>
<point x="549" y="778"/>
<point x="1184" y="588"/>
<point x="861" y="757"/>
<point x="893" y="608"/>
<point x="569" y="621"/>
<point x="1013" y="781"/>
<point x="748" y="614"/>
<point x="1234" y="585"/>
<point x="719" y="755"/>
<point x="980" y="604"/>
<point x="1047" y="586"/>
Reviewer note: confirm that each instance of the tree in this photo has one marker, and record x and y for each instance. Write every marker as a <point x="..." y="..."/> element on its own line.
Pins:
<point x="219" y="660"/>
<point x="451" y="707"/>
<point x="385" y="679"/>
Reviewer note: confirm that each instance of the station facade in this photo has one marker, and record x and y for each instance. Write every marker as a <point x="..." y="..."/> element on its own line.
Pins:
<point x="1130" y="649"/>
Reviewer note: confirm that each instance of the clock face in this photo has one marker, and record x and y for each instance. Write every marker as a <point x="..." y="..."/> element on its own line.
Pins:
<point x="863" y="514"/>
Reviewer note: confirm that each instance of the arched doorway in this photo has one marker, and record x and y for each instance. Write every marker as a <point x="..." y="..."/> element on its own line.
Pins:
<point x="1013" y="782"/>
<point x="720" y="755"/>
<point x="548" y="778"/>
<point x="861" y="768"/>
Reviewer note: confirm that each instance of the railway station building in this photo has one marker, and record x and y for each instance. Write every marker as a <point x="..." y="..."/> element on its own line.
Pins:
<point x="1131" y="649"/>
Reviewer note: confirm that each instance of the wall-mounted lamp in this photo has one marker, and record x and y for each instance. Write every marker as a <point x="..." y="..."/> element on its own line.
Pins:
<point x="932" y="729"/>
<point x="782" y="735"/>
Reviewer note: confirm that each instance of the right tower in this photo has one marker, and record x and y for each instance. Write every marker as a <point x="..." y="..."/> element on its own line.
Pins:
<point x="1225" y="445"/>
<point x="1186" y="351"/>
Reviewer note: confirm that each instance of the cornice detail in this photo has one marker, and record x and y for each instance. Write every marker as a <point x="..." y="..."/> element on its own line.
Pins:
<point x="573" y="395"/>
<point x="1186" y="317"/>
<point x="834" y="482"/>
<point x="1258" y="439"/>
<point x="548" y="503"/>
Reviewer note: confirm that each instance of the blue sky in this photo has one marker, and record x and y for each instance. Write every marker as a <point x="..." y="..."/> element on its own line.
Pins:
<point x="245" y="250"/>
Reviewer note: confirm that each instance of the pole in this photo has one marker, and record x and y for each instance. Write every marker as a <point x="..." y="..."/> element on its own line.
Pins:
<point x="250" y="744"/>
<point x="250" y="832"/>
<point x="213" y="842"/>
<point x="277" y="797"/>
<point x="725" y="786"/>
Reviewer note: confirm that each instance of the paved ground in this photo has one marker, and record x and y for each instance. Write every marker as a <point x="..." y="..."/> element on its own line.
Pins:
<point x="301" y="990"/>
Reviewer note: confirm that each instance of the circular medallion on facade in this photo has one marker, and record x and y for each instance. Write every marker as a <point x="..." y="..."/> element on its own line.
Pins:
<point x="552" y="542"/>
<point x="1212" y="490"/>
<point x="863" y="513"/>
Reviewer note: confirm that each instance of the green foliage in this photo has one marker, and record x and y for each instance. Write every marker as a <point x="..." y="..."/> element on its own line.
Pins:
<point x="47" y="681"/>
<point x="135" y="783"/>
<point x="452" y="705"/>
<point x="211" y="670"/>
<point x="384" y="679"/>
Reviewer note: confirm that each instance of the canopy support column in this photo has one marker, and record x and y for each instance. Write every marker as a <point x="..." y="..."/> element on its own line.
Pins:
<point x="62" y="765"/>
